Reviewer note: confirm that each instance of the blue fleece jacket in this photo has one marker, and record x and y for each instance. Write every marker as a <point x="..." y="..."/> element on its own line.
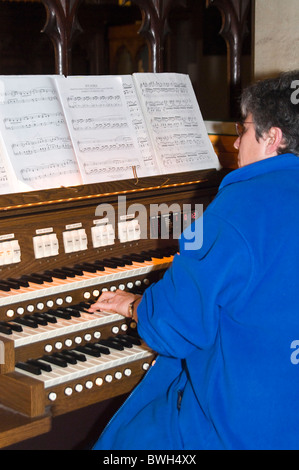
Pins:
<point x="225" y="322"/>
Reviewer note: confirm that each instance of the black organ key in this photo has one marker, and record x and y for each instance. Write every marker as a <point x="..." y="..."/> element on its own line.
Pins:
<point x="133" y="339"/>
<point x="111" y="344"/>
<point x="4" y="287"/>
<point x="11" y="284"/>
<point x="110" y="264"/>
<point x="171" y="251"/>
<point x="60" y="314"/>
<point x="40" y="320"/>
<point x="125" y="342"/>
<point x="72" y="271"/>
<point x="135" y="257"/>
<point x="12" y="326"/>
<point x="49" y="318"/>
<point x="33" y="279"/>
<point x="156" y="254"/>
<point x="89" y="351"/>
<point x="5" y="329"/>
<point x="27" y="321"/>
<point x="57" y="361"/>
<point x="77" y="307"/>
<point x="133" y="332"/>
<point x="99" y="265"/>
<point x="83" y="306"/>
<point x="102" y="349"/>
<point x="121" y="261"/>
<point x="113" y="263"/>
<point x="45" y="277"/>
<point x="29" y="368"/>
<point x="21" y="282"/>
<point x="56" y="273"/>
<point x="40" y="364"/>
<point x="129" y="259"/>
<point x="146" y="255"/>
<point x="76" y="354"/>
<point x="88" y="267"/>
<point x="66" y="273"/>
<point x="72" y="311"/>
<point x="66" y="357"/>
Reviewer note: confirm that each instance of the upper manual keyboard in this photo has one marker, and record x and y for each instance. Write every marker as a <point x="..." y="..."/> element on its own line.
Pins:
<point x="66" y="286"/>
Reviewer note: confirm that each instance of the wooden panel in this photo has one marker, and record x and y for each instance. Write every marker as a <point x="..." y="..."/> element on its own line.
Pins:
<point x="97" y="393"/>
<point x="7" y="355"/>
<point x="22" y="394"/>
<point x="225" y="150"/>
<point x="15" y="427"/>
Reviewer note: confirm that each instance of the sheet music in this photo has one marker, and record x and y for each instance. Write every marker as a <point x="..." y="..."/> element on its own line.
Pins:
<point x="150" y="164"/>
<point x="5" y="186"/>
<point x="36" y="146"/>
<point x="178" y="131"/>
<point x="103" y="137"/>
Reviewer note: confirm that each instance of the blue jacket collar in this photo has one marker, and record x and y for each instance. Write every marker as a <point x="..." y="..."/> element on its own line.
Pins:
<point x="277" y="163"/>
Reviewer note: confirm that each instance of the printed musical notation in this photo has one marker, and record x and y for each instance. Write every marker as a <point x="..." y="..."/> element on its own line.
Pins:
<point x="64" y="131"/>
<point x="53" y="170"/>
<point x="178" y="141"/>
<point x="150" y="163"/>
<point x="34" y="121"/>
<point x="174" y="122"/>
<point x="101" y="129"/>
<point x="4" y="183"/>
<point x="162" y="85"/>
<point x="42" y="145"/>
<point x="119" y="144"/>
<point x="99" y="123"/>
<point x="26" y="96"/>
<point x="34" y="134"/>
<point x="183" y="159"/>
<point x="109" y="169"/>
<point x="172" y="112"/>
<point x="94" y="99"/>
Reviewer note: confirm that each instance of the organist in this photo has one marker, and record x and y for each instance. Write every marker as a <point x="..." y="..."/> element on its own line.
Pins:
<point x="224" y="319"/>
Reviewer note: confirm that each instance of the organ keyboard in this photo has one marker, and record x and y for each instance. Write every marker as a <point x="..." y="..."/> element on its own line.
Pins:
<point x="59" y="249"/>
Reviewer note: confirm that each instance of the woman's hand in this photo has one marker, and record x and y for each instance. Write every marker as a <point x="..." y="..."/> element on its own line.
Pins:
<point x="115" y="302"/>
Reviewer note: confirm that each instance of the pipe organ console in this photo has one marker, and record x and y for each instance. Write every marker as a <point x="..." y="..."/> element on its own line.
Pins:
<point x="59" y="249"/>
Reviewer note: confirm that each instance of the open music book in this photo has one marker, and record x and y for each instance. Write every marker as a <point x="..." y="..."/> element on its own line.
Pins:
<point x="65" y="131"/>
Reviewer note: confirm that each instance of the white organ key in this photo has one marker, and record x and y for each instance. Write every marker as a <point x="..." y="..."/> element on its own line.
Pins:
<point x="60" y="375"/>
<point x="62" y="327"/>
<point x="58" y="286"/>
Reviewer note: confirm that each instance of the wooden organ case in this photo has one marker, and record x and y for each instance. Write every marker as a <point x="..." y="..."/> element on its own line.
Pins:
<point x="54" y="263"/>
<point x="59" y="248"/>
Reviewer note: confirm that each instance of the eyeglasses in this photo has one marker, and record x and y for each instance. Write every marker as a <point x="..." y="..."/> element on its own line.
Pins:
<point x="240" y="128"/>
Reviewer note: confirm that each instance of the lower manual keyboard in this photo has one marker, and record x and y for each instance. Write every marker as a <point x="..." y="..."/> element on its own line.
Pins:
<point x="92" y="365"/>
<point x="78" y="377"/>
<point x="89" y="280"/>
<point x="61" y="327"/>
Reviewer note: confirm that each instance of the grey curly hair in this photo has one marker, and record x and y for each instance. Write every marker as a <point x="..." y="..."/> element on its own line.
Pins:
<point x="271" y="103"/>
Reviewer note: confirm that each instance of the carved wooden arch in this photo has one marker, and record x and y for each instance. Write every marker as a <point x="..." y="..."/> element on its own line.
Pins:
<point x="234" y="16"/>
<point x="62" y="27"/>
<point x="155" y="27"/>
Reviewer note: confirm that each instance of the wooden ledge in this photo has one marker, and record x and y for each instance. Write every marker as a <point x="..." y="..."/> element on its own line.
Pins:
<point x="15" y="427"/>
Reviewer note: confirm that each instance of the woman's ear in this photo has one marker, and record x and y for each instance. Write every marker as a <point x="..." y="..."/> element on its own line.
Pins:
<point x="274" y="140"/>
